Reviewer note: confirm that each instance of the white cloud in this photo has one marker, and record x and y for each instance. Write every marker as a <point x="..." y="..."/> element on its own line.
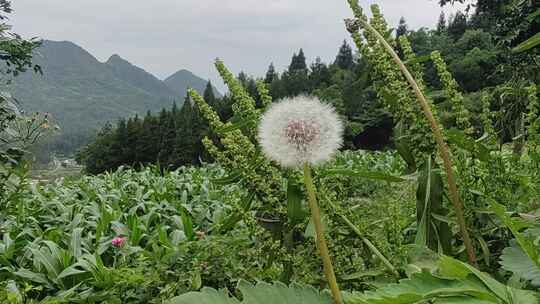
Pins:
<point x="163" y="36"/>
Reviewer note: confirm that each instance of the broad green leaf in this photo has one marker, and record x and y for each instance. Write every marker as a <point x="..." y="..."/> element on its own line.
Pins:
<point x="196" y="281"/>
<point x="418" y="59"/>
<point x="485" y="249"/>
<point x="515" y="260"/>
<point x="32" y="276"/>
<point x="229" y="179"/>
<point x="362" y="274"/>
<point x="45" y="259"/>
<point x="454" y="268"/>
<point x="453" y="282"/>
<point x="429" y="201"/>
<point x="205" y="296"/>
<point x="365" y="174"/>
<point x="163" y="237"/>
<point x="236" y="217"/>
<point x="261" y="293"/>
<point x="72" y="270"/>
<point x="310" y="228"/>
<point x="534" y="15"/>
<point x="526" y="244"/>
<point x="187" y="223"/>
<point x="295" y="211"/>
<point x="528" y="44"/>
<point x="421" y="288"/>
<point x="76" y="242"/>
<point x="407" y="155"/>
<point x="460" y="139"/>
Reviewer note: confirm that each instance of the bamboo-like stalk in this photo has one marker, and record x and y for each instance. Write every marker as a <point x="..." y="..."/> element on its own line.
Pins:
<point x="443" y="147"/>
<point x="319" y="231"/>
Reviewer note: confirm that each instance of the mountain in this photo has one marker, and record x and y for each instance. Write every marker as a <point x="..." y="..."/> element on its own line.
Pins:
<point x="138" y="77"/>
<point x="82" y="93"/>
<point x="181" y="80"/>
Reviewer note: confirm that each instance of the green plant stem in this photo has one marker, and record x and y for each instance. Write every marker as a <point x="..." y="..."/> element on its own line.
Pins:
<point x="364" y="239"/>
<point x="319" y="231"/>
<point x="370" y="245"/>
<point x="443" y="147"/>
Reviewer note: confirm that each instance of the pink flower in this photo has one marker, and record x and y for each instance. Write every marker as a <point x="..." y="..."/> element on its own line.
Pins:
<point x="118" y="241"/>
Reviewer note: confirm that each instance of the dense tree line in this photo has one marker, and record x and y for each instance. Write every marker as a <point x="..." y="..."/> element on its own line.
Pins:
<point x="478" y="57"/>
<point x="171" y="139"/>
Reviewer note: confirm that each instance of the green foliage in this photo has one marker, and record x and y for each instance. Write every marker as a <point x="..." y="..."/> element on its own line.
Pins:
<point x="391" y="86"/>
<point x="56" y="240"/>
<point x="523" y="258"/>
<point x="15" y="52"/>
<point x="344" y="58"/>
<point x="432" y="233"/>
<point x="82" y="93"/>
<point x="258" y="294"/>
<point x="450" y="282"/>
<point x="240" y="154"/>
<point x="515" y="260"/>
<point x="528" y="44"/>
<point x="172" y="139"/>
<point x="460" y="113"/>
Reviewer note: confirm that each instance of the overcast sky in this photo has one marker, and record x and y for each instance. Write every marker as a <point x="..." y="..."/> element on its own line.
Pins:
<point x="163" y="36"/>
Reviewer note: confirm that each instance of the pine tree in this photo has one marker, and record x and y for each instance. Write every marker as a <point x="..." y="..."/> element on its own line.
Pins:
<point x="200" y="130"/>
<point x="252" y="90"/>
<point x="131" y="156"/>
<point x="208" y="94"/>
<point x="402" y="28"/>
<point x="168" y="137"/>
<point x="225" y="108"/>
<point x="119" y="153"/>
<point x="295" y="79"/>
<point x="298" y="62"/>
<point x="243" y="78"/>
<point x="457" y="25"/>
<point x="185" y="143"/>
<point x="271" y="74"/>
<point x="344" y="58"/>
<point x="148" y="140"/>
<point x="441" y="24"/>
<point x="320" y="76"/>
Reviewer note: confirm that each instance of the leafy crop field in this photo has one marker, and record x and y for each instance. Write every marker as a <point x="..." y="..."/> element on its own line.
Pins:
<point x="183" y="230"/>
<point x="180" y="230"/>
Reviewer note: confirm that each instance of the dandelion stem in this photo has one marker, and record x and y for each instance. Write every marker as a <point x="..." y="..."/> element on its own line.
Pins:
<point x="443" y="147"/>
<point x="319" y="231"/>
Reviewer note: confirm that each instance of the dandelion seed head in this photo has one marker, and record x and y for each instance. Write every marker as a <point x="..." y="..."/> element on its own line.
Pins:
<point x="300" y="130"/>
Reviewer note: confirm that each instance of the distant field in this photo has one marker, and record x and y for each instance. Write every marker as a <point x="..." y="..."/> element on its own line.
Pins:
<point x="50" y="175"/>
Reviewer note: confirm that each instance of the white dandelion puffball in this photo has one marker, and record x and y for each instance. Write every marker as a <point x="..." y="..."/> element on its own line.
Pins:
<point x="300" y="130"/>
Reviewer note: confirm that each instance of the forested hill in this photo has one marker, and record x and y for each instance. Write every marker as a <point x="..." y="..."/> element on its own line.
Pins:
<point x="464" y="59"/>
<point x="181" y="80"/>
<point x="82" y="93"/>
<point x="139" y="78"/>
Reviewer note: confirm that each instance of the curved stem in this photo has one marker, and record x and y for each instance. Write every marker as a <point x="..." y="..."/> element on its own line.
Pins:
<point x="319" y="231"/>
<point x="443" y="147"/>
<point x="370" y="245"/>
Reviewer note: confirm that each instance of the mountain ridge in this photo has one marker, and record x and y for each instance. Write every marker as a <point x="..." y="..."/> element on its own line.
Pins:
<point x="137" y="76"/>
<point x="178" y="80"/>
<point x="82" y="93"/>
